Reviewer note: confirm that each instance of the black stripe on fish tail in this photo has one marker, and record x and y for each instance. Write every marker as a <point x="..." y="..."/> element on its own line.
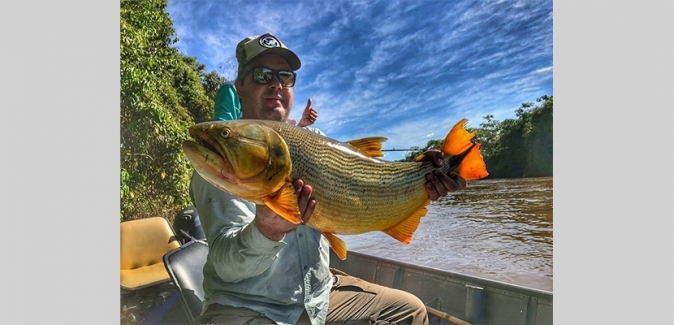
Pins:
<point x="455" y="161"/>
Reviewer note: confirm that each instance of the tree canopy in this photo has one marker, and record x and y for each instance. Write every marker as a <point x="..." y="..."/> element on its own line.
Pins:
<point x="162" y="93"/>
<point x="520" y="147"/>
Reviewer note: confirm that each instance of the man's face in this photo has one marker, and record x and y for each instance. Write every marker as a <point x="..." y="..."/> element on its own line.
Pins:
<point x="270" y="101"/>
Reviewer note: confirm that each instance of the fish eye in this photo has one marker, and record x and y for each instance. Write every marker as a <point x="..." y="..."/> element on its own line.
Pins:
<point x="225" y="133"/>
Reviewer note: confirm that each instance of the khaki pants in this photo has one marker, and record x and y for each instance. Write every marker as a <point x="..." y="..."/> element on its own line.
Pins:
<point x="352" y="301"/>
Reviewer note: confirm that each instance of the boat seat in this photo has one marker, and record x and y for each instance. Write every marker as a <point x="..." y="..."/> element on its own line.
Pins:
<point x="185" y="266"/>
<point x="143" y="243"/>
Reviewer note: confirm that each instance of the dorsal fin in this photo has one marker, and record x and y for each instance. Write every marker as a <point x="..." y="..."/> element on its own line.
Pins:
<point x="370" y="146"/>
<point x="404" y="230"/>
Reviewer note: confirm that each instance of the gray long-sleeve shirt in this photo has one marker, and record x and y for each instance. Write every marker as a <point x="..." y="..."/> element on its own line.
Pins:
<point x="279" y="279"/>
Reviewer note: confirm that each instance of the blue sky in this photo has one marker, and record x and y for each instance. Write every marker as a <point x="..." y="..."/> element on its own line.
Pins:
<point x="405" y="70"/>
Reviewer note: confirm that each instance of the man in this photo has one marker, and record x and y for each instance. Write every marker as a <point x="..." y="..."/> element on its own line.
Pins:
<point x="228" y="107"/>
<point x="262" y="269"/>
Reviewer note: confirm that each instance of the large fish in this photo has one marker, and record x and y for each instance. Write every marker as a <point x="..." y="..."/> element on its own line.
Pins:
<point x="257" y="161"/>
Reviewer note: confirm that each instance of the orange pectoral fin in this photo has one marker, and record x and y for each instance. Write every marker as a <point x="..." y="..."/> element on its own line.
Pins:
<point x="404" y="230"/>
<point x="337" y="245"/>
<point x="458" y="140"/>
<point x="284" y="203"/>
<point x="371" y="146"/>
<point x="473" y="167"/>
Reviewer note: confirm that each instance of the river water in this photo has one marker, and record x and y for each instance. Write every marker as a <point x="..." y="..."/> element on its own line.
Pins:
<point x="498" y="229"/>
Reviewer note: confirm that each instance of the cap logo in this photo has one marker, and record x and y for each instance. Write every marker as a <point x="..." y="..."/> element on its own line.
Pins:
<point x="269" y="41"/>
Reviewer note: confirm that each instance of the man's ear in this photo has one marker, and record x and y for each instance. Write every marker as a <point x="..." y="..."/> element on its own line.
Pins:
<point x="237" y="85"/>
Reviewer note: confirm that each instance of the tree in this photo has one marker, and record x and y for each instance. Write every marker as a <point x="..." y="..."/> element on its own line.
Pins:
<point x="162" y="94"/>
<point x="510" y="159"/>
<point x="212" y="82"/>
<point x="522" y="146"/>
<point x="431" y="144"/>
<point x="539" y="140"/>
<point x="519" y="147"/>
<point x="487" y="135"/>
<point x="190" y="89"/>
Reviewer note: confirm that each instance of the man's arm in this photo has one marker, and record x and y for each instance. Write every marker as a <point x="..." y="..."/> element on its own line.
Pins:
<point x="237" y="248"/>
<point x="309" y="115"/>
<point x="243" y="239"/>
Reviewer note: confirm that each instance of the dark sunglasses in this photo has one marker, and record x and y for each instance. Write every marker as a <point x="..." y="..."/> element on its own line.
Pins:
<point x="263" y="76"/>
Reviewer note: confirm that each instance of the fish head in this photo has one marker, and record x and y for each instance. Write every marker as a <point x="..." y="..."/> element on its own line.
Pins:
<point x="246" y="159"/>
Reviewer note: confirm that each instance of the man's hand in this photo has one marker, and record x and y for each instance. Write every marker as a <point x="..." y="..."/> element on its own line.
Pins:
<point x="274" y="226"/>
<point x="309" y="115"/>
<point x="437" y="183"/>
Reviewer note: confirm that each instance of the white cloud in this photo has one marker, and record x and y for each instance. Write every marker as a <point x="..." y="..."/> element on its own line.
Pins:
<point x="404" y="70"/>
<point x="543" y="70"/>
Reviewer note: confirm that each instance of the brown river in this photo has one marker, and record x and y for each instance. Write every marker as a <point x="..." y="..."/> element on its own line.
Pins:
<point x="498" y="229"/>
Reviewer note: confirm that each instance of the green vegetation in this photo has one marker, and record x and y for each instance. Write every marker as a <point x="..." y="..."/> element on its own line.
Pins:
<point x="513" y="148"/>
<point x="162" y="93"/>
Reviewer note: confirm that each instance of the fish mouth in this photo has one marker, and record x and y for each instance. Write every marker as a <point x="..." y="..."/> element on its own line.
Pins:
<point x="207" y="144"/>
<point x="207" y="157"/>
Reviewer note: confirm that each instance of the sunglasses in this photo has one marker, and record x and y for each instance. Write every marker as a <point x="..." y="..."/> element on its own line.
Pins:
<point x="263" y="76"/>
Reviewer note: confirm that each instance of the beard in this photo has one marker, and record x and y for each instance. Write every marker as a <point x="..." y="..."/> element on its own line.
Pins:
<point x="271" y="110"/>
<point x="266" y="108"/>
<point x="273" y="114"/>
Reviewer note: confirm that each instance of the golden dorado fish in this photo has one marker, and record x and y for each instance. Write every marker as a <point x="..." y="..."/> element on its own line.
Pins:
<point x="258" y="160"/>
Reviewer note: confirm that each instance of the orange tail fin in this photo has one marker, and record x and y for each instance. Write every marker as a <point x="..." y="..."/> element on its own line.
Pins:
<point x="473" y="167"/>
<point x="458" y="140"/>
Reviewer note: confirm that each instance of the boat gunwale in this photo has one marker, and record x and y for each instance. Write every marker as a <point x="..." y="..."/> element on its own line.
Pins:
<point x="487" y="283"/>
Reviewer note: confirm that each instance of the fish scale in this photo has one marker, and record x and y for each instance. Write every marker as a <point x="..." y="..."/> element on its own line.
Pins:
<point x="354" y="195"/>
<point x="257" y="160"/>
